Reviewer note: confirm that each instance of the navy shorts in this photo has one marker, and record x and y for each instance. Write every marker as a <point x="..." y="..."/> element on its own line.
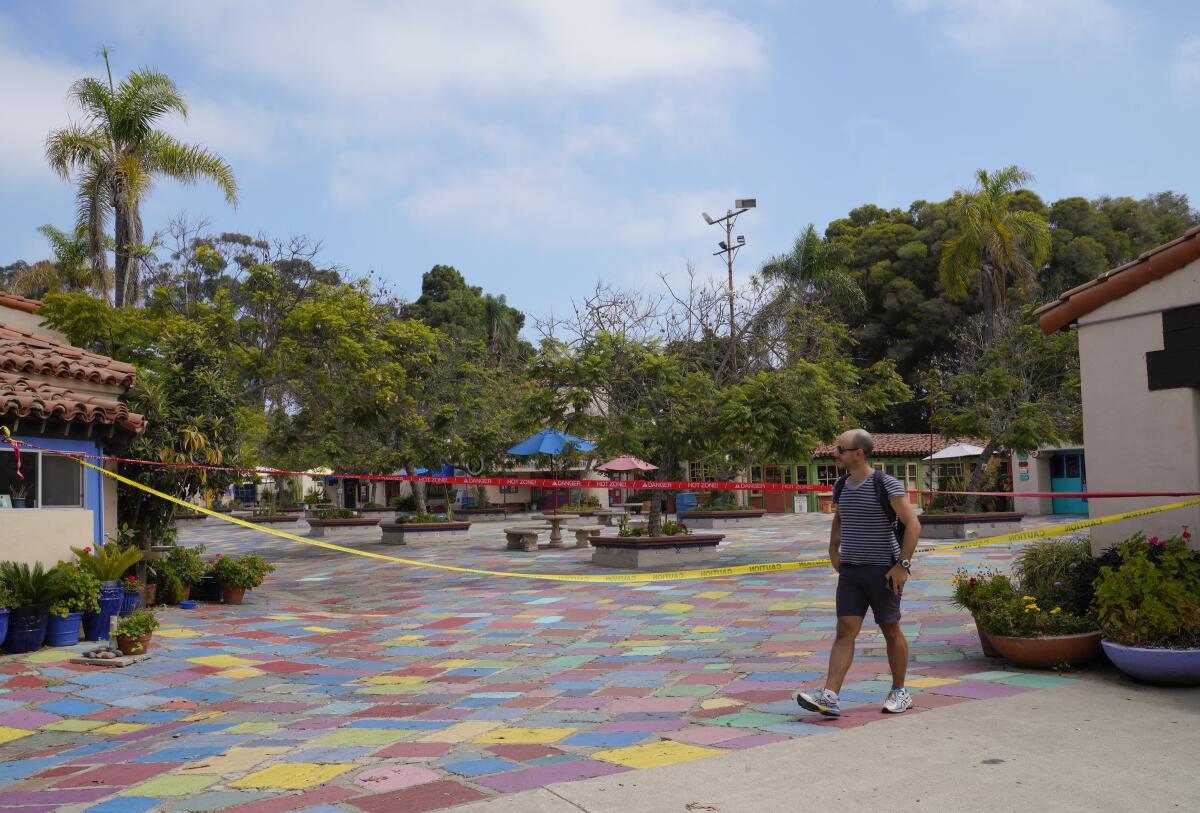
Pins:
<point x="863" y="586"/>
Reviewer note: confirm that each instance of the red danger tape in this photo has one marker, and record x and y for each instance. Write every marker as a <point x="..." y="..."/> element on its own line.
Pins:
<point x="632" y="485"/>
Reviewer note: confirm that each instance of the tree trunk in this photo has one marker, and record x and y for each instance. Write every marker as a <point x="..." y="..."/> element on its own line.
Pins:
<point x="449" y="505"/>
<point x="121" y="234"/>
<point x="419" y="496"/>
<point x="987" y="291"/>
<point x="985" y="457"/>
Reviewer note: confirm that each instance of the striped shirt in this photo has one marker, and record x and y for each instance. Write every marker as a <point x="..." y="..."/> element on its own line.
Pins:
<point x="866" y="533"/>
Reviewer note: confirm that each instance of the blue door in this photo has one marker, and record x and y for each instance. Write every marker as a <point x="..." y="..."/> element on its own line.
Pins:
<point x="1068" y="473"/>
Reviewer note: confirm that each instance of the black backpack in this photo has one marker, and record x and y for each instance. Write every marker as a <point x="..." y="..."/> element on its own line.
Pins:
<point x="882" y="497"/>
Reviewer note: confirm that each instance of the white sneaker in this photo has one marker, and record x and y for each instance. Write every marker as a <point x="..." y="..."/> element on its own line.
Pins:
<point x="823" y="701"/>
<point x="898" y="701"/>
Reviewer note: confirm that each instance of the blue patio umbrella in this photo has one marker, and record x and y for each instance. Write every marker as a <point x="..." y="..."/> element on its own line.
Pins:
<point x="550" y="442"/>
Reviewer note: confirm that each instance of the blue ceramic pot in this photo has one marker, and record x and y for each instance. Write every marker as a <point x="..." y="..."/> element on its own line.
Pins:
<point x="26" y="628"/>
<point x="63" y="630"/>
<point x="3" y="623"/>
<point x="129" y="602"/>
<point x="1168" y="667"/>
<point x="97" y="625"/>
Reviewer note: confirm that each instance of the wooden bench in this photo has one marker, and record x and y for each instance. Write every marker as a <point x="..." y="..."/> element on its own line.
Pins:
<point x="524" y="537"/>
<point x="583" y="532"/>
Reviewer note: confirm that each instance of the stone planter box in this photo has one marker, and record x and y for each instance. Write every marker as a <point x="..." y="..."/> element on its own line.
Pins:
<point x="373" y="511"/>
<point x="319" y="527"/>
<point x="960" y="526"/>
<point x="721" y="519"/>
<point x="196" y="517"/>
<point x="401" y="533"/>
<point x="1166" y="667"/>
<point x="267" y="519"/>
<point x="636" y="552"/>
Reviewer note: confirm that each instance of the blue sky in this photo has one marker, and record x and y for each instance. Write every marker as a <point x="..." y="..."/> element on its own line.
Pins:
<point x="543" y="145"/>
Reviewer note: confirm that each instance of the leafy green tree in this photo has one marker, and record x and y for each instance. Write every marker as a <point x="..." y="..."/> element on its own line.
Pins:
<point x="115" y="154"/>
<point x="812" y="270"/>
<point x="1017" y="389"/>
<point x="464" y="311"/>
<point x="1005" y="243"/>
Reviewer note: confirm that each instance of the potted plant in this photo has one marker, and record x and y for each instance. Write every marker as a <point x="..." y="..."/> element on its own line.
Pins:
<point x="1041" y="616"/>
<point x="131" y="590"/>
<point x="80" y="594"/>
<point x="1148" y="602"/>
<point x="179" y="571"/>
<point x="18" y="493"/>
<point x="238" y="574"/>
<point x="107" y="563"/>
<point x="33" y="590"/>
<point x="134" y="630"/>
<point x="6" y="605"/>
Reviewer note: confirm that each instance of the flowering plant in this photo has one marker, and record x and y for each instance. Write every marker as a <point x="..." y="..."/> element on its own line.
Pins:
<point x="131" y="583"/>
<point x="1150" y="595"/>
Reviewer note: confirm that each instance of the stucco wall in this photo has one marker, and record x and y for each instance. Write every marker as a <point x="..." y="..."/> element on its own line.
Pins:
<point x="1038" y="469"/>
<point x="1135" y="439"/>
<point x="45" y="535"/>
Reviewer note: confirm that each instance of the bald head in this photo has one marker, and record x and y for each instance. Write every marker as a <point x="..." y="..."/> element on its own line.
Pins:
<point x="856" y="440"/>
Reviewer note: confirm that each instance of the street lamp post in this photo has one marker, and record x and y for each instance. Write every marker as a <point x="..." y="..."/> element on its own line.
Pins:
<point x="729" y="247"/>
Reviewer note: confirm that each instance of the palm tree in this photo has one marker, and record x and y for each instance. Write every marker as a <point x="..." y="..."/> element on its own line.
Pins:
<point x="114" y="156"/>
<point x="68" y="271"/>
<point x="1001" y="242"/>
<point x="811" y="270"/>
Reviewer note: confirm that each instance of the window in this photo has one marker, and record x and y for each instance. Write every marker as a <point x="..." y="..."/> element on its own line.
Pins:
<point x="827" y="474"/>
<point x="802" y="475"/>
<point x="50" y="480"/>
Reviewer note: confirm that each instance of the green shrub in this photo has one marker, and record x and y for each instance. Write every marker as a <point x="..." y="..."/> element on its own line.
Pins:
<point x="80" y="591"/>
<point x="6" y="595"/>
<point x="107" y="562"/>
<point x="975" y="590"/>
<point x="335" y="513"/>
<point x="138" y="624"/>
<point x="1023" y="617"/>
<point x="32" y="585"/>
<point x="1152" y="597"/>
<point x="241" y="571"/>
<point x="1056" y="571"/>
<point x="408" y="503"/>
<point x="183" y="563"/>
<point x="422" y="518"/>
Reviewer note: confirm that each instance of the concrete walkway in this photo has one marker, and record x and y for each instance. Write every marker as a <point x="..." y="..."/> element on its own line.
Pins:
<point x="1105" y="744"/>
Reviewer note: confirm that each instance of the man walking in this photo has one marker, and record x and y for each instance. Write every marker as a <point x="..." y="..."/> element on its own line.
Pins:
<point x="872" y="564"/>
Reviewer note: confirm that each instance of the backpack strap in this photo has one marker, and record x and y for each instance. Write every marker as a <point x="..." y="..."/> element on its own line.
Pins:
<point x="881" y="495"/>
<point x="838" y="485"/>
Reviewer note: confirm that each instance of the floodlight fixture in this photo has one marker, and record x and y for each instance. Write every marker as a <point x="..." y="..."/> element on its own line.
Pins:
<point x="741" y="239"/>
<point x="707" y="218"/>
<point x="723" y="246"/>
<point x="746" y="203"/>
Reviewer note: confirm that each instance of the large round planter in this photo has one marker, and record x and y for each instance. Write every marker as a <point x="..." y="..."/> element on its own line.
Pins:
<point x="1168" y="667"/>
<point x="986" y="642"/>
<point x="132" y="646"/>
<point x="231" y="594"/>
<point x="27" y="628"/>
<point x="96" y="625"/>
<point x="1049" y="651"/>
<point x="63" y="630"/>
<point x="129" y="602"/>
<point x="3" y="623"/>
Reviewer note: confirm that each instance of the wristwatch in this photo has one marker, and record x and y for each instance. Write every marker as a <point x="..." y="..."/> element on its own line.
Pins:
<point x="906" y="564"/>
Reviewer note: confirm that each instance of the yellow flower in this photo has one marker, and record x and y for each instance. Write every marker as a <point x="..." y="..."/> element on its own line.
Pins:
<point x="1033" y="607"/>
<point x="1028" y="598"/>
<point x="1056" y="610"/>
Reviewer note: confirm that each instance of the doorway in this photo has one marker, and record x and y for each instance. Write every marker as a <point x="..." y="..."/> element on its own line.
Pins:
<point x="1068" y="472"/>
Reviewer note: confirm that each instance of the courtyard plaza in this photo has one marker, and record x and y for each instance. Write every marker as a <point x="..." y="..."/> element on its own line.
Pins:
<point x="351" y="684"/>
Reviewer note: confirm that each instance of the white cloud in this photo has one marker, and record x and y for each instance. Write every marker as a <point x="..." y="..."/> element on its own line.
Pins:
<point x="997" y="27"/>
<point x="384" y="54"/>
<point x="1185" y="66"/>
<point x="34" y="91"/>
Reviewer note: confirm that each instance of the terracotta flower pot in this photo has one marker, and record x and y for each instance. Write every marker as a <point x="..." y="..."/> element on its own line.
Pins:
<point x="986" y="642"/>
<point x="231" y="594"/>
<point x="187" y="592"/>
<point x="1075" y="650"/>
<point x="132" y="646"/>
<point x="151" y="594"/>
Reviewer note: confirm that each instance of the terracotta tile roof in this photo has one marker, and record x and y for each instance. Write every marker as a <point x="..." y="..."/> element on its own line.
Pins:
<point x="903" y="445"/>
<point x="51" y="400"/>
<point x="1112" y="285"/>
<point x="19" y="303"/>
<point x="23" y="352"/>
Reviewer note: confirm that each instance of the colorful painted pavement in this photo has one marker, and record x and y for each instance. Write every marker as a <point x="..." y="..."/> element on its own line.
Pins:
<point x="346" y="684"/>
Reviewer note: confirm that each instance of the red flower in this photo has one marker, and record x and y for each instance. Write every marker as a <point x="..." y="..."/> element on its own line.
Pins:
<point x="218" y="556"/>
<point x="88" y="549"/>
<point x="1187" y="534"/>
<point x="972" y="582"/>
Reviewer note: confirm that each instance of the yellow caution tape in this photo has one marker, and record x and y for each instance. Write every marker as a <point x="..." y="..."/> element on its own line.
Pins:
<point x="677" y="575"/>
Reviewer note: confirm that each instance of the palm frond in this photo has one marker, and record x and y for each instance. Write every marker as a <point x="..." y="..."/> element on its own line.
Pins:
<point x="93" y="97"/>
<point x="187" y="163"/>
<point x="36" y="280"/>
<point x="75" y="148"/>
